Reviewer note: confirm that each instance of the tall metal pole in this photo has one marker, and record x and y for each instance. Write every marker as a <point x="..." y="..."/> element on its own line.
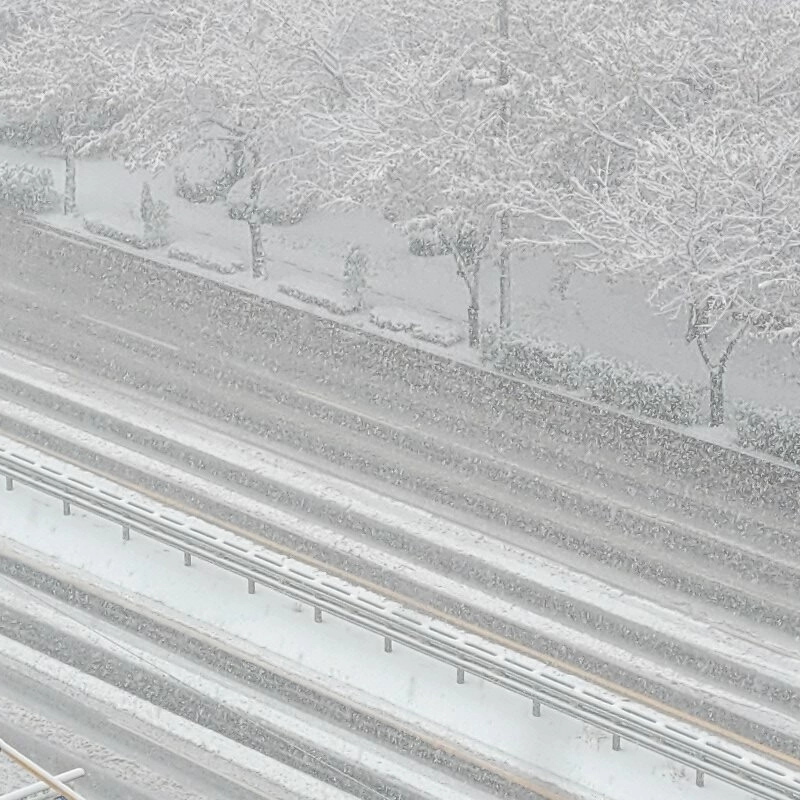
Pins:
<point x="504" y="262"/>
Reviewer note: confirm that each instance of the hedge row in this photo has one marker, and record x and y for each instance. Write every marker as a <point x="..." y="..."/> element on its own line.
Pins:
<point x="320" y="296"/>
<point x="205" y="257"/>
<point x="421" y="327"/>
<point x="771" y="430"/>
<point x="27" y="188"/>
<point x="606" y="380"/>
<point x="121" y="230"/>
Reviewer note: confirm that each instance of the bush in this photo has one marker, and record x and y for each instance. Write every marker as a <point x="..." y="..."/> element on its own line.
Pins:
<point x="318" y="295"/>
<point x="624" y="386"/>
<point x="206" y="173"/>
<point x="648" y="394"/>
<point x="771" y="430"/>
<point x="532" y="358"/>
<point x="421" y="327"/>
<point x="27" y="188"/>
<point x="206" y="257"/>
<point x="356" y="268"/>
<point x="121" y="230"/>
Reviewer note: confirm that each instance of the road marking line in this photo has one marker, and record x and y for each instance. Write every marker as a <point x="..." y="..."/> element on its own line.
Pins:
<point x="21" y="289"/>
<point x="128" y="332"/>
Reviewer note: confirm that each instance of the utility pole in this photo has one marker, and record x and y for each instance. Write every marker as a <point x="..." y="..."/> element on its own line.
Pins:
<point x="504" y="262"/>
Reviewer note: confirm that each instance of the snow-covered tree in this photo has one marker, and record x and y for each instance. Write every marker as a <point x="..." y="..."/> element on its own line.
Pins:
<point x="689" y="178"/>
<point x="64" y="68"/>
<point x="243" y="72"/>
<point x="423" y="137"/>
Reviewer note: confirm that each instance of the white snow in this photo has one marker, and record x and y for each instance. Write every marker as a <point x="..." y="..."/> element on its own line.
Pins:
<point x="612" y="319"/>
<point x="481" y="717"/>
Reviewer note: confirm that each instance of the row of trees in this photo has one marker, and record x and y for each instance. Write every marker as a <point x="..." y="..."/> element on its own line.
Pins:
<point x="655" y="139"/>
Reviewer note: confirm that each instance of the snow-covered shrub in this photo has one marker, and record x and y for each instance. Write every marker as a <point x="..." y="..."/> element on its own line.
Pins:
<point x="206" y="173"/>
<point x="276" y="203"/>
<point x="318" y="294"/>
<point x="649" y="394"/>
<point x="356" y="268"/>
<point x="121" y="229"/>
<point x="27" y="188"/>
<point x="206" y="257"/>
<point x="532" y="358"/>
<point x="623" y="386"/>
<point x="425" y="328"/>
<point x="771" y="430"/>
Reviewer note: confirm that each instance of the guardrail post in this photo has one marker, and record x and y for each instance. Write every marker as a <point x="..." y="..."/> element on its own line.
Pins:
<point x="66" y="508"/>
<point x="459" y="675"/>
<point x="700" y="778"/>
<point x="126" y="533"/>
<point x="387" y="644"/>
<point x="536" y="708"/>
<point x="9" y="483"/>
<point x="187" y="559"/>
<point x="251" y="586"/>
<point x="317" y="614"/>
<point x="616" y="742"/>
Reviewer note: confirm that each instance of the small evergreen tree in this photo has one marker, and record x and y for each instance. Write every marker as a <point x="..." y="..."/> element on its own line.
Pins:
<point x="154" y="214"/>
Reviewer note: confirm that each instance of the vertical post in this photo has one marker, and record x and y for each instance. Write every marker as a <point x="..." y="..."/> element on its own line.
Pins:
<point x="387" y="644"/>
<point x="251" y="586"/>
<point x="504" y="263"/>
<point x="459" y="675"/>
<point x="66" y="508"/>
<point x="616" y="742"/>
<point x="700" y="778"/>
<point x="126" y="533"/>
<point x="536" y="708"/>
<point x="187" y="559"/>
<point x="317" y="614"/>
<point x="9" y="483"/>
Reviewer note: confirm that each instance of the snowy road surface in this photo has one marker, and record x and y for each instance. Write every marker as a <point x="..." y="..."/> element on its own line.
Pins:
<point x="735" y="671"/>
<point x="123" y="758"/>
<point x="474" y="718"/>
<point x="107" y="313"/>
<point x="188" y="685"/>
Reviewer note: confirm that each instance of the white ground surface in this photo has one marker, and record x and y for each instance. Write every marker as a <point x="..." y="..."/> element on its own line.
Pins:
<point x="611" y="319"/>
<point x="480" y="717"/>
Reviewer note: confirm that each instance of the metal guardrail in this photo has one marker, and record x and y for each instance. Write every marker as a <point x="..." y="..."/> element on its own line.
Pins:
<point x="624" y="719"/>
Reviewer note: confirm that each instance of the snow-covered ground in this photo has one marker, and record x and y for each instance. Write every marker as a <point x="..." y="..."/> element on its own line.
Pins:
<point x="482" y="718"/>
<point x="611" y="319"/>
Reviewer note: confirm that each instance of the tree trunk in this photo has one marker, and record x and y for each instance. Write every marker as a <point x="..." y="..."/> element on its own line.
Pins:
<point x="70" y="204"/>
<point x="473" y="317"/>
<point x="473" y="311"/>
<point x="238" y="159"/>
<point x="716" y="371"/>
<point x="717" y="396"/>
<point x="257" y="256"/>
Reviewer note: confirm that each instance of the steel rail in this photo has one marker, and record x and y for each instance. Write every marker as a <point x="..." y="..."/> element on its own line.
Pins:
<point x="624" y="719"/>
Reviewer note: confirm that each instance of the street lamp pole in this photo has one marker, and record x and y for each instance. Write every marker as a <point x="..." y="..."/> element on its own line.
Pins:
<point x="504" y="262"/>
